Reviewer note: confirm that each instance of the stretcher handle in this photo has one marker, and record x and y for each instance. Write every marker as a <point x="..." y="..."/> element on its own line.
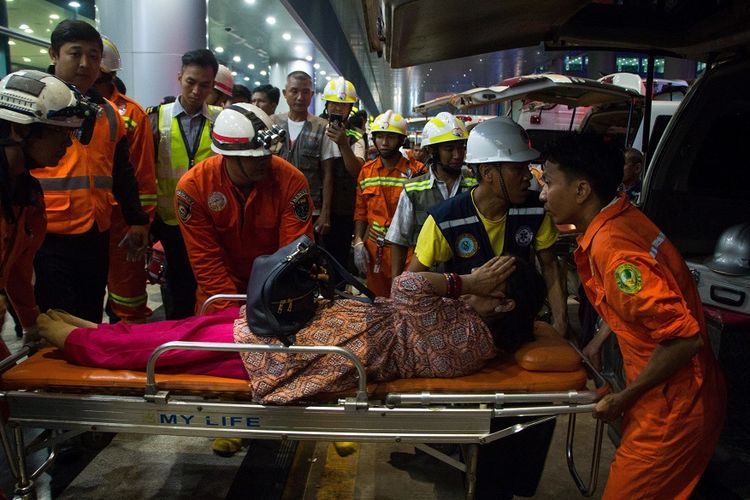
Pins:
<point x="151" y="388"/>
<point x="11" y="360"/>
<point x="234" y="297"/>
<point x="586" y="489"/>
<point x="426" y="398"/>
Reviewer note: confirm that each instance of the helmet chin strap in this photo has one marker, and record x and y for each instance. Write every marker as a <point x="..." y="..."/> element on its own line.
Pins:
<point x="502" y="185"/>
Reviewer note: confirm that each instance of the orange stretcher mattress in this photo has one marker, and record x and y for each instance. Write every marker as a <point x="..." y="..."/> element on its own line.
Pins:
<point x="547" y="364"/>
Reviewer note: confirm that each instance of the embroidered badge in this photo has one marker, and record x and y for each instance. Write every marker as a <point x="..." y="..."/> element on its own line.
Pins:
<point x="466" y="245"/>
<point x="301" y="205"/>
<point x="524" y="236"/>
<point x="217" y="201"/>
<point x="182" y="195"/>
<point x="628" y="278"/>
<point x="183" y="211"/>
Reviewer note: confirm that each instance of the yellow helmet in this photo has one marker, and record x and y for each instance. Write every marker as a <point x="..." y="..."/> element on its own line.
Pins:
<point x="389" y="122"/>
<point x="340" y="90"/>
<point x="443" y="128"/>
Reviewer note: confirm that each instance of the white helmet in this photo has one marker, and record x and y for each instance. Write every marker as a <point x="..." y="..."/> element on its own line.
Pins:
<point x="30" y="96"/>
<point x="111" y="60"/>
<point x="224" y="80"/>
<point x="244" y="129"/>
<point x="499" y="140"/>
<point x="443" y="128"/>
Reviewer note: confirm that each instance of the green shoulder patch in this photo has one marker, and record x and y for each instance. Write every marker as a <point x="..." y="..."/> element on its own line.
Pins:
<point x="628" y="278"/>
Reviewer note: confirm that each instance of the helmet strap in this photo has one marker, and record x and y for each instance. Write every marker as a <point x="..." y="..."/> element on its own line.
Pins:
<point x="503" y="186"/>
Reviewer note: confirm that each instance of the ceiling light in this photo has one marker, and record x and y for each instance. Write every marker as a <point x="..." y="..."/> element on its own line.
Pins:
<point x="236" y="59"/>
<point x="234" y="73"/>
<point x="219" y="50"/>
<point x="23" y="27"/>
<point x="42" y="51"/>
<point x="54" y="16"/>
<point x="251" y="2"/>
<point x="247" y="78"/>
<point x="271" y="20"/>
<point x="297" y="48"/>
<point x="263" y="72"/>
<point x="328" y="78"/>
<point x="75" y="5"/>
<point x="308" y="58"/>
<point x="286" y="36"/>
<point x="11" y="42"/>
<point x="322" y="72"/>
<point x="257" y="83"/>
<point x="251" y="66"/>
<point x="26" y="59"/>
<point x="316" y="66"/>
<point x="28" y="30"/>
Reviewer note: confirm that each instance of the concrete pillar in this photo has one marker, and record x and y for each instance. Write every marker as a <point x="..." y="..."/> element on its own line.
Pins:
<point x="277" y="77"/>
<point x="151" y="37"/>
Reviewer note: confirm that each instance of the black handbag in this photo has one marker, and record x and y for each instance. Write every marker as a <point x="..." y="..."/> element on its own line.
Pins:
<point x="283" y="287"/>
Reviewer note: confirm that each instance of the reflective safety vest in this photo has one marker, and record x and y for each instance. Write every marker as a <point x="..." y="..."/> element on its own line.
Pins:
<point x="423" y="193"/>
<point x="459" y="222"/>
<point x="173" y="158"/>
<point x="78" y="190"/>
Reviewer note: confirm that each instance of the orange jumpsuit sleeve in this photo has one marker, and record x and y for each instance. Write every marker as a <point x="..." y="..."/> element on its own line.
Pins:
<point x="642" y="293"/>
<point x="360" y="207"/>
<point x="18" y="286"/>
<point x="296" y="217"/>
<point x="201" y="240"/>
<point x="142" y="157"/>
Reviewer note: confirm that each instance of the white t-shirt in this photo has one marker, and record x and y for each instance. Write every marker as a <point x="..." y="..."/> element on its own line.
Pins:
<point x="327" y="150"/>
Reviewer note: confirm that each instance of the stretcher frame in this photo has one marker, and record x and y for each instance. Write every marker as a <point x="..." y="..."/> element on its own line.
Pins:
<point x="419" y="418"/>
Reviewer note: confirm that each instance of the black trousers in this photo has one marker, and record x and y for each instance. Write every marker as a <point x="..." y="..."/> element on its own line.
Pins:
<point x="71" y="273"/>
<point x="339" y="240"/>
<point x="178" y="293"/>
<point x="514" y="464"/>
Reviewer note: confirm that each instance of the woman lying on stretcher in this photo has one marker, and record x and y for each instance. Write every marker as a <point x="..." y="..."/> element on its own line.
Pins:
<point x="418" y="332"/>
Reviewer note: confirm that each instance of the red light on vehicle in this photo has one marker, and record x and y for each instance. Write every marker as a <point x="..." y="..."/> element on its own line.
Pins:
<point x="464" y="118"/>
<point x="535" y="119"/>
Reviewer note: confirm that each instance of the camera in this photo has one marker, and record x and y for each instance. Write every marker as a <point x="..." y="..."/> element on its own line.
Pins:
<point x="339" y="119"/>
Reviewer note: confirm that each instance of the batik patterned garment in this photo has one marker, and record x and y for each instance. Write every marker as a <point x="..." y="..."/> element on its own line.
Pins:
<point x="412" y="334"/>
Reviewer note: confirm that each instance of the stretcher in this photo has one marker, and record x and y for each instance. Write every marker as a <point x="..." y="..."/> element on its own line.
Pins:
<point x="542" y="380"/>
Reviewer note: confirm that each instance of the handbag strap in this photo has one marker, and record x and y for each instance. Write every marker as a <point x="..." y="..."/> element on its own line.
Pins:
<point x="349" y="279"/>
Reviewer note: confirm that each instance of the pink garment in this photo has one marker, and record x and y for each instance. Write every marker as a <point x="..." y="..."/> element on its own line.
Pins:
<point x="124" y="346"/>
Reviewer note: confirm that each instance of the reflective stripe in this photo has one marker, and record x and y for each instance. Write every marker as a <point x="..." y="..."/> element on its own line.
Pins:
<point x="469" y="182"/>
<point x="148" y="199"/>
<point x="103" y="181"/>
<point x="419" y="186"/>
<point x="655" y="244"/>
<point x="383" y="181"/>
<point x="459" y="222"/>
<point x="129" y="301"/>
<point x="378" y="228"/>
<point x="526" y="211"/>
<point x="130" y="124"/>
<point x="65" y="183"/>
<point x="112" y="118"/>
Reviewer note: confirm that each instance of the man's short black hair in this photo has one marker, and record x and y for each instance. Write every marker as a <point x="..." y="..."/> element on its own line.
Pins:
<point x="240" y="93"/>
<point x="272" y="92"/>
<point x="587" y="156"/>
<point x="200" y="57"/>
<point x="74" y="31"/>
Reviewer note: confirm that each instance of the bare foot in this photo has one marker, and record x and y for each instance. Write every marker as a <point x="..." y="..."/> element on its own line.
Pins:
<point x="60" y="315"/>
<point x="54" y="331"/>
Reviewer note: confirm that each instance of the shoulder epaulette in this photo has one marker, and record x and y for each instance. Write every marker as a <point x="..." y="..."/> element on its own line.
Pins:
<point x="153" y="109"/>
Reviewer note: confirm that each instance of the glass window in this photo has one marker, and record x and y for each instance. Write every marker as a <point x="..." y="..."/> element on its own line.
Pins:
<point x="628" y="65"/>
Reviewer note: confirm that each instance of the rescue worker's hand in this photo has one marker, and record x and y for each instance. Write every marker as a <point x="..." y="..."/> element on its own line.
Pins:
<point x="361" y="257"/>
<point x="612" y="406"/>
<point x="337" y="133"/>
<point x="135" y="242"/>
<point x="489" y="279"/>
<point x="322" y="225"/>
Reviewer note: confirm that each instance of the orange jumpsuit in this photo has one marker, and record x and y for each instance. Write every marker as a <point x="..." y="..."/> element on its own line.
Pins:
<point x="19" y="242"/>
<point x="638" y="282"/>
<point x="126" y="281"/>
<point x="378" y="190"/>
<point x="225" y="230"/>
